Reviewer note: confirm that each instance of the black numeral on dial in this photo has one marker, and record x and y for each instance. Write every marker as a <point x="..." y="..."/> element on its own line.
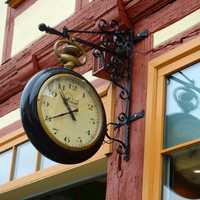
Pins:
<point x="55" y="130"/>
<point x="80" y="139"/>
<point x="47" y="118"/>
<point x="92" y="120"/>
<point x="67" y="140"/>
<point x="90" y="107"/>
<point x="62" y="87"/>
<point x="73" y="87"/>
<point x="89" y="132"/>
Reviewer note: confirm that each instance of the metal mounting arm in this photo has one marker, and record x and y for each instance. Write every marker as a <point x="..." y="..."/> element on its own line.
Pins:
<point x="42" y="27"/>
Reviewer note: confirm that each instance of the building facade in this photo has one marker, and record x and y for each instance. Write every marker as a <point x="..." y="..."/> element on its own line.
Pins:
<point x="164" y="145"/>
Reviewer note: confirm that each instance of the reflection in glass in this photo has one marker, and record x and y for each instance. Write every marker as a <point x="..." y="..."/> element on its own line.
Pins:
<point x="45" y="162"/>
<point x="5" y="166"/>
<point x="182" y="122"/>
<point x="182" y="174"/>
<point x="25" y="160"/>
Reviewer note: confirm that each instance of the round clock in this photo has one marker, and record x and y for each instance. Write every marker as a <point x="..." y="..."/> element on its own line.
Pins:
<point x="63" y="115"/>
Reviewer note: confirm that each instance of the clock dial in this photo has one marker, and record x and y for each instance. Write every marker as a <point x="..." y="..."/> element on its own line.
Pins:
<point x="69" y="111"/>
<point x="63" y="115"/>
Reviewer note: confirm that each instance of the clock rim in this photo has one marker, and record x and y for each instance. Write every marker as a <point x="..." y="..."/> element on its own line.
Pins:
<point x="99" y="103"/>
<point x="36" y="133"/>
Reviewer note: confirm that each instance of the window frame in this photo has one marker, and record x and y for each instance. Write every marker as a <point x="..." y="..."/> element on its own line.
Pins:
<point x="177" y="59"/>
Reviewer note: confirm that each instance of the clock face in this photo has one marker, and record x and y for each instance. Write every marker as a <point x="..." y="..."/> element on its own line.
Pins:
<point x="69" y="111"/>
<point x="63" y="115"/>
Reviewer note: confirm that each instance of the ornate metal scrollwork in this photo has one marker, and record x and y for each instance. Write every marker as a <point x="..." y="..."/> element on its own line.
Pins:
<point x="119" y="66"/>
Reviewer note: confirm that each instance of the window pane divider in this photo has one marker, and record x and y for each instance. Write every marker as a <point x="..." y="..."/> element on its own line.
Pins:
<point x="38" y="161"/>
<point x="170" y="150"/>
<point x="12" y="167"/>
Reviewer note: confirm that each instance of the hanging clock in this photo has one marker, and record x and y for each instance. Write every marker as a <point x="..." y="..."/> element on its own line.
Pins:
<point x="63" y="115"/>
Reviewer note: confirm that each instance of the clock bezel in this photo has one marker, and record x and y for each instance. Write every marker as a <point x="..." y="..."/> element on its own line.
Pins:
<point x="96" y="101"/>
<point x="35" y="131"/>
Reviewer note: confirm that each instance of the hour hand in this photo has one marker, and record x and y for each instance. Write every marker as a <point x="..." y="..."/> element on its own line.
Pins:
<point x="65" y="101"/>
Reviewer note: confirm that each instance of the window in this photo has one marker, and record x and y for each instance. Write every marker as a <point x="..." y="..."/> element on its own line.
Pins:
<point x="182" y="125"/>
<point x="172" y="138"/>
<point x="45" y="162"/>
<point x="22" y="160"/>
<point x="5" y="160"/>
<point x="25" y="161"/>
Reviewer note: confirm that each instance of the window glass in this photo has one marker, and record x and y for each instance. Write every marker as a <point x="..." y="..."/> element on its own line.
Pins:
<point x="25" y="160"/>
<point x="182" y="174"/>
<point x="182" y="121"/>
<point x="5" y="166"/>
<point x="182" y="124"/>
<point x="42" y="11"/>
<point x="3" y="9"/>
<point x="45" y="162"/>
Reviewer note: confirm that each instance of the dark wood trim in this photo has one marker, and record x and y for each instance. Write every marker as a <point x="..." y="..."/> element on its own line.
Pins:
<point x="10" y="128"/>
<point x="14" y="3"/>
<point x="22" y="7"/>
<point x="144" y="8"/>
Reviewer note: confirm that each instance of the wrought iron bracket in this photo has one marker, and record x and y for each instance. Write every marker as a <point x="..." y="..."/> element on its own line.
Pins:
<point x="114" y="54"/>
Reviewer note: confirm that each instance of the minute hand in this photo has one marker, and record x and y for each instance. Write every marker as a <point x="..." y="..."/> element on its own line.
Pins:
<point x="62" y="114"/>
<point x="65" y="101"/>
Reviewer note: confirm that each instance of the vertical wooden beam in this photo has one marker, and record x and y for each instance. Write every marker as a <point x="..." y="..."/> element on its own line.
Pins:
<point x="84" y="3"/>
<point x="8" y="37"/>
<point x="78" y="5"/>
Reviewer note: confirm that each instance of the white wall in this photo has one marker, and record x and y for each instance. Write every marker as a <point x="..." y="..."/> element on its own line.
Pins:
<point x="42" y="11"/>
<point x="176" y="28"/>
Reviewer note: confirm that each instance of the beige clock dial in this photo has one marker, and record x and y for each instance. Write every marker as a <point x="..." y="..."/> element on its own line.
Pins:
<point x="69" y="111"/>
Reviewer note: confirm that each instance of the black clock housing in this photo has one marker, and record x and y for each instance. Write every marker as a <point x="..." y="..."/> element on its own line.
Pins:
<point x="34" y="129"/>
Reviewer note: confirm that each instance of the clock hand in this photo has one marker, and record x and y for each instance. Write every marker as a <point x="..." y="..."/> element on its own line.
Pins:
<point x="65" y="101"/>
<point x="62" y="114"/>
